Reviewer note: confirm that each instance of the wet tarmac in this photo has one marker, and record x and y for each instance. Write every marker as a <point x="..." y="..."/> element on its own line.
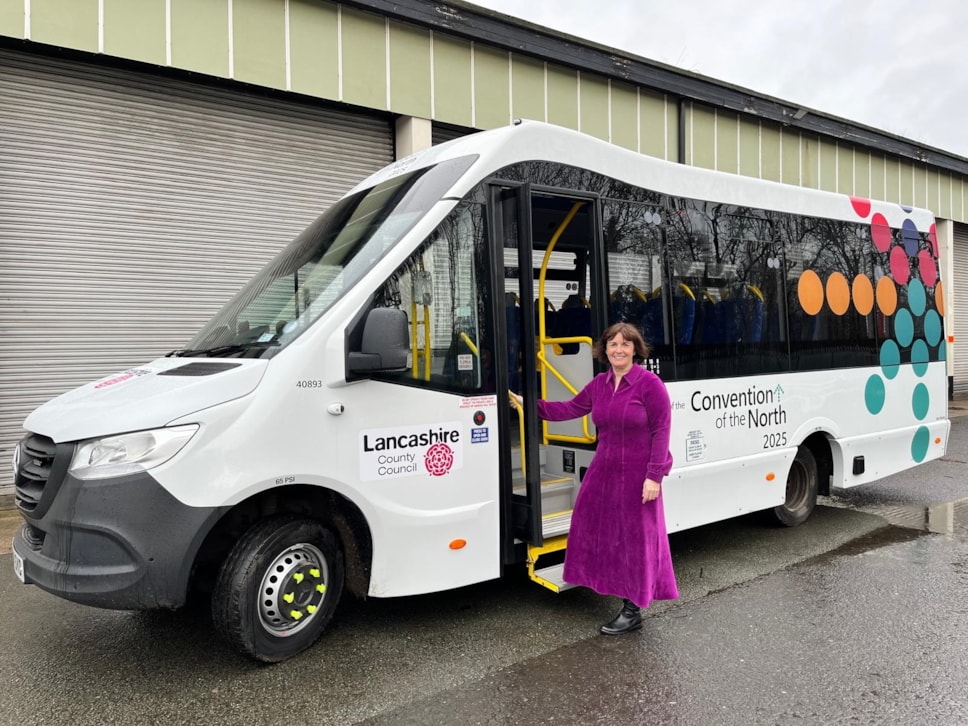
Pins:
<point x="848" y="619"/>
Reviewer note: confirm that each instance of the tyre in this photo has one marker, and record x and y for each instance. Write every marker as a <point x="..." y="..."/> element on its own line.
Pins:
<point x="802" y="485"/>
<point x="278" y="588"/>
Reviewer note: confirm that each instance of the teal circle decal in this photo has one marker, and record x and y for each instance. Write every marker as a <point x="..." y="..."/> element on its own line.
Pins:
<point x="920" y="401"/>
<point x="932" y="327"/>
<point x="917" y="300"/>
<point x="943" y="352"/>
<point x="890" y="359"/>
<point x="919" y="444"/>
<point x="919" y="357"/>
<point x="904" y="327"/>
<point x="874" y="394"/>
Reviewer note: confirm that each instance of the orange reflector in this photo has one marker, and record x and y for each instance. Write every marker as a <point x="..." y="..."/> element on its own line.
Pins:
<point x="457" y="544"/>
<point x="771" y="476"/>
<point x="937" y="440"/>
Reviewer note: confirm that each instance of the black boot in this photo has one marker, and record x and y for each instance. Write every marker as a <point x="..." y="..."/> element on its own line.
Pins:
<point x="626" y="621"/>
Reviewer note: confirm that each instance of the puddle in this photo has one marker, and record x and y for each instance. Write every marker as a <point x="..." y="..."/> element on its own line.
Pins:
<point x="942" y="518"/>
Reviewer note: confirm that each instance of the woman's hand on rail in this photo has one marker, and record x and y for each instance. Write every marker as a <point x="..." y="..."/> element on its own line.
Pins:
<point x="516" y="398"/>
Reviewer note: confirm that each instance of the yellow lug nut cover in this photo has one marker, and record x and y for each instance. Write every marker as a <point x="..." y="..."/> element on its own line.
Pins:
<point x="314" y="572"/>
<point x="289" y="597"/>
<point x="320" y="588"/>
<point x="298" y="577"/>
<point x="295" y="614"/>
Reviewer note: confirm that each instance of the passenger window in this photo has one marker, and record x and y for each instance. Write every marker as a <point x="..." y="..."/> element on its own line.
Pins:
<point x="443" y="290"/>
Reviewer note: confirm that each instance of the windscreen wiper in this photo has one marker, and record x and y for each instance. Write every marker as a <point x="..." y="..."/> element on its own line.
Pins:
<point x="219" y="350"/>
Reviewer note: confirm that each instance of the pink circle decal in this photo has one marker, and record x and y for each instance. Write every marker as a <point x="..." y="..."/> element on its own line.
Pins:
<point x="900" y="267"/>
<point x="861" y="206"/>
<point x="438" y="459"/>
<point x="933" y="237"/>
<point x="880" y="232"/>
<point x="928" y="268"/>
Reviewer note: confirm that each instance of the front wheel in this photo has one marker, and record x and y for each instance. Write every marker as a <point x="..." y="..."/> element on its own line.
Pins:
<point x="278" y="588"/>
<point x="803" y="482"/>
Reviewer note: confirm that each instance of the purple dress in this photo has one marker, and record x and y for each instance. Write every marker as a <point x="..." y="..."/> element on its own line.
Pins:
<point x="618" y="545"/>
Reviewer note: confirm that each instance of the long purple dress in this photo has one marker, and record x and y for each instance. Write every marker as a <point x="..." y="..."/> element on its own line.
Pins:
<point x="618" y="545"/>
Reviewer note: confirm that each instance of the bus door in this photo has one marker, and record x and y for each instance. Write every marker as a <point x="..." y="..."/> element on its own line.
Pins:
<point x="551" y="318"/>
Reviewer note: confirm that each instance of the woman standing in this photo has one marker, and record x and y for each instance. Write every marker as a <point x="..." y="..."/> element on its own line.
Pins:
<point x="618" y="544"/>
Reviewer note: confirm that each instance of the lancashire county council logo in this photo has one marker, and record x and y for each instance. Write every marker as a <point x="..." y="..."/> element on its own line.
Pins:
<point x="438" y="459"/>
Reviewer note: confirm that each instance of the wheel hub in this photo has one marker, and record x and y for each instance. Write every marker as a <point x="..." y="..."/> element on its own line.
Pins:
<point x="293" y="588"/>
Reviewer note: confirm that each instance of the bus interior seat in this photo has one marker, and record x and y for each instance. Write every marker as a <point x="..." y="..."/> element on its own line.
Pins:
<point x="572" y="320"/>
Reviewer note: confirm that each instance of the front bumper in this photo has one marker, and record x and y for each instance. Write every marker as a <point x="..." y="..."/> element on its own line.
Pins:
<point x="122" y="543"/>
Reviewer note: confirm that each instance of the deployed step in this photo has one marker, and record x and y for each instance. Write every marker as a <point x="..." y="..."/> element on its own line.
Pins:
<point x="551" y="576"/>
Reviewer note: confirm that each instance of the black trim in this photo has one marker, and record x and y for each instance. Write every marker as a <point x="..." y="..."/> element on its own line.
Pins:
<point x="121" y="543"/>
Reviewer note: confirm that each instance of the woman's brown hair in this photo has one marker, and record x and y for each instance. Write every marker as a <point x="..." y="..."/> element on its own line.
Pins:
<point x="629" y="332"/>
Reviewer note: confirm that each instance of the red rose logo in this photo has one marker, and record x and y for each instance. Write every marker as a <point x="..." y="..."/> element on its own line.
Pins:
<point x="438" y="459"/>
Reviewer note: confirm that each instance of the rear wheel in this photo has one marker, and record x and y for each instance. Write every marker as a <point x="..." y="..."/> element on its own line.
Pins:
<point x="803" y="482"/>
<point x="278" y="588"/>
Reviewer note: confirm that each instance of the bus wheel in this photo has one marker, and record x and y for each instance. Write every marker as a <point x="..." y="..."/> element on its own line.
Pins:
<point x="801" y="490"/>
<point x="278" y="588"/>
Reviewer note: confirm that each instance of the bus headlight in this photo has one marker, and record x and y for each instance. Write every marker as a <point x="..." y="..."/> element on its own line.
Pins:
<point x="129" y="453"/>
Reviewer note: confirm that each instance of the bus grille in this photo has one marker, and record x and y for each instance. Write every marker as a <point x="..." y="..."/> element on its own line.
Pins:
<point x="36" y="459"/>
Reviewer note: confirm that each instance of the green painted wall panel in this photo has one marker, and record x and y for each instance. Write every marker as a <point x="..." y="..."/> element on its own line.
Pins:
<point x="527" y="88"/>
<point x="920" y="198"/>
<point x="135" y="29"/>
<point x="749" y="149"/>
<point x="845" y="169"/>
<point x="770" y="150"/>
<point x="594" y="106"/>
<point x="944" y="203"/>
<point x="934" y="190"/>
<point x="562" y="97"/>
<point x="907" y="183"/>
<point x="727" y="142"/>
<point x="259" y="42"/>
<point x="452" y="81"/>
<point x="364" y="45"/>
<point x="702" y="141"/>
<point x="878" y="176"/>
<point x="410" y="70"/>
<point x="893" y="170"/>
<point x="200" y="36"/>
<point x="12" y="18"/>
<point x="672" y="132"/>
<point x="828" y="166"/>
<point x="625" y="116"/>
<point x="862" y="174"/>
<point x="652" y="118"/>
<point x="809" y="161"/>
<point x="790" y="172"/>
<point x="492" y="98"/>
<point x="313" y="49"/>
<point x="70" y="23"/>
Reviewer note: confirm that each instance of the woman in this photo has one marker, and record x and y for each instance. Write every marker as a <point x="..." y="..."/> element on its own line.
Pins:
<point x="618" y="544"/>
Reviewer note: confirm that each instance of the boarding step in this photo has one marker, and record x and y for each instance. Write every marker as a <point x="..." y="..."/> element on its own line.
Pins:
<point x="555" y="524"/>
<point x="551" y="576"/>
<point x="516" y="457"/>
<point x="557" y="492"/>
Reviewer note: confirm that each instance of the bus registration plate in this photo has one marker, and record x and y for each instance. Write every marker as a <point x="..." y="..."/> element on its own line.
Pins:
<point x="18" y="567"/>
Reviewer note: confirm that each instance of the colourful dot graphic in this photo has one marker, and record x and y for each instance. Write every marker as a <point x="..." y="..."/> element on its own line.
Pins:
<point x="874" y="394"/>
<point x="880" y="232"/>
<point x="810" y="292"/>
<point x="838" y="293"/>
<point x="886" y="295"/>
<point x="863" y="294"/>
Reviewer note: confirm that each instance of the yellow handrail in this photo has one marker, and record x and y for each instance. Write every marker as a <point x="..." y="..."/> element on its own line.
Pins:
<point x="543" y="340"/>
<point x="514" y="402"/>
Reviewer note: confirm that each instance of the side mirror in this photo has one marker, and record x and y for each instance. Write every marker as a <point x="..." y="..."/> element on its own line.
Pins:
<point x="385" y="345"/>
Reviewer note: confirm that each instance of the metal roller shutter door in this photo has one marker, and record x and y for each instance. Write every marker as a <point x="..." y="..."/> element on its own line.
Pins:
<point x="133" y="206"/>
<point x="960" y="313"/>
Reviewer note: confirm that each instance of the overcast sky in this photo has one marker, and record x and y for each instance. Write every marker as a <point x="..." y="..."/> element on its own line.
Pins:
<point x="900" y="66"/>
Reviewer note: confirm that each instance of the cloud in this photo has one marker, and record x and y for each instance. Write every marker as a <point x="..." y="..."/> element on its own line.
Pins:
<point x="894" y="65"/>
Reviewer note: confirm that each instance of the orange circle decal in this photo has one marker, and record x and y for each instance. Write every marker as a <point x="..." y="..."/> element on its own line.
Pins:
<point x="886" y="295"/>
<point x="838" y="293"/>
<point x="939" y="298"/>
<point x="863" y="294"/>
<point x="810" y="292"/>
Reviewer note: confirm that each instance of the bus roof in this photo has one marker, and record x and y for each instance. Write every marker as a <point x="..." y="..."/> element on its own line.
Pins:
<point x="537" y="141"/>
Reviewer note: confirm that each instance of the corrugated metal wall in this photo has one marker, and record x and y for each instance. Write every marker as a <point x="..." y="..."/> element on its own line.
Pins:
<point x="960" y="312"/>
<point x="133" y="206"/>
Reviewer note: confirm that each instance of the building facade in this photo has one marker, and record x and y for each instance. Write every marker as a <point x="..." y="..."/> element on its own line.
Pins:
<point x="157" y="152"/>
